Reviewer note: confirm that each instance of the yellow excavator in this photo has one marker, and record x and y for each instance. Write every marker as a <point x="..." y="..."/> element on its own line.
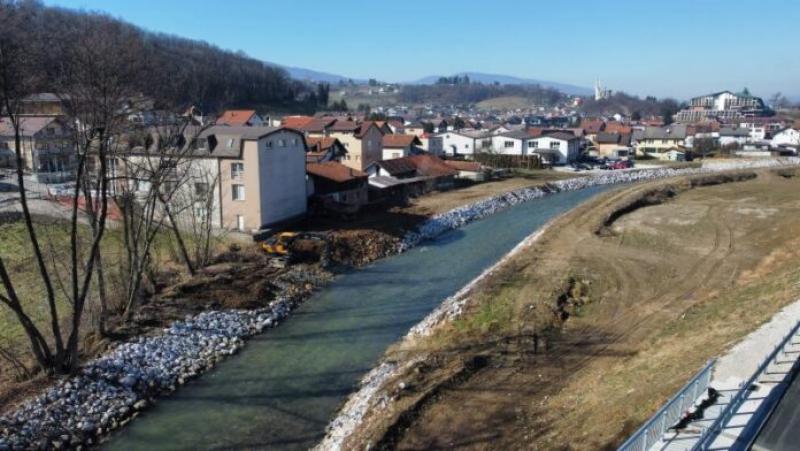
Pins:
<point x="289" y="247"/>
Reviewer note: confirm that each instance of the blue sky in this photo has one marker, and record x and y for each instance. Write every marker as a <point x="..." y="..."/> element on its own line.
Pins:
<point x="674" y="48"/>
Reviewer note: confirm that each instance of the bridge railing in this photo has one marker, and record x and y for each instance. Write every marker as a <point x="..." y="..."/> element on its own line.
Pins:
<point x="668" y="415"/>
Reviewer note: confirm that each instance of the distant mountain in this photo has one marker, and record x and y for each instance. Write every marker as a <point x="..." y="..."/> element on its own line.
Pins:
<point x="302" y="74"/>
<point x="511" y="80"/>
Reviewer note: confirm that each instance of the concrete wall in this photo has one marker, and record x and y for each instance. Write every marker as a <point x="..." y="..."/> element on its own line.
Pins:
<point x="282" y="173"/>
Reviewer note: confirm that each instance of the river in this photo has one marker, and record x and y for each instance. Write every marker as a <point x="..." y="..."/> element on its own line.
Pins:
<point x="284" y="387"/>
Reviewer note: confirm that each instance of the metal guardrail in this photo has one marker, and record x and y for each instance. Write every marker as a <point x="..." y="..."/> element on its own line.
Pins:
<point x="668" y="415"/>
<point x="710" y="433"/>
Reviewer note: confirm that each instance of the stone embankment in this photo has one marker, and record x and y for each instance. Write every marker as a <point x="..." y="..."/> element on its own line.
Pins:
<point x="373" y="395"/>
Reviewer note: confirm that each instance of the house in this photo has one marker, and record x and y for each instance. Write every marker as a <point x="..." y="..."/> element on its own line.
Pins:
<point x="363" y="141"/>
<point x="591" y="127"/>
<point x="324" y="149"/>
<point x="655" y="141"/>
<point x="42" y="104"/>
<point x="397" y="127"/>
<point x="337" y="187"/>
<point x="511" y="143"/>
<point x="733" y="136"/>
<point x="465" y="142"/>
<point x="415" y="128"/>
<point x="420" y="173"/>
<point x="47" y="147"/>
<point x="257" y="175"/>
<point x="398" y="146"/>
<point x="555" y="148"/>
<point x="237" y="118"/>
<point x="786" y="137"/>
<point x="613" y="144"/>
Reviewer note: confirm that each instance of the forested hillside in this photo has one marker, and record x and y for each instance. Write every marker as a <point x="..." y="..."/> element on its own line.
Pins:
<point x="173" y="71"/>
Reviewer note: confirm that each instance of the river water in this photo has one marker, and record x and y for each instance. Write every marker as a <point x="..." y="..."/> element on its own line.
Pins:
<point x="284" y="387"/>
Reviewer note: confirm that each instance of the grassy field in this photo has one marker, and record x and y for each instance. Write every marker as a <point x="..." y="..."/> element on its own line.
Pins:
<point x="504" y="103"/>
<point x="586" y="333"/>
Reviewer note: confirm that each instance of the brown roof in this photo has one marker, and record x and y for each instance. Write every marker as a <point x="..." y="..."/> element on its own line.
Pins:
<point x="431" y="166"/>
<point x="296" y="121"/>
<point x="335" y="171"/>
<point x="618" y="127"/>
<point x="472" y="166"/>
<point x="592" y="126"/>
<point x="398" y="166"/>
<point x="319" y="144"/>
<point x="400" y="140"/>
<point x="344" y="126"/>
<point x="235" y="117"/>
<point x="317" y="125"/>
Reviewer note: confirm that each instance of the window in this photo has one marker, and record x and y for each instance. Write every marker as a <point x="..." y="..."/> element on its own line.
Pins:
<point x="240" y="222"/>
<point x="533" y="144"/>
<point x="395" y="154"/>
<point x="238" y="192"/>
<point x="294" y="141"/>
<point x="237" y="170"/>
<point x="508" y="144"/>
<point x="466" y="146"/>
<point x="200" y="189"/>
<point x="281" y="143"/>
<point x="230" y="143"/>
<point x="268" y="144"/>
<point x="555" y="145"/>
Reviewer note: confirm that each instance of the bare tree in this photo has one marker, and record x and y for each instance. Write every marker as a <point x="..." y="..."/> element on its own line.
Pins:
<point x="95" y="82"/>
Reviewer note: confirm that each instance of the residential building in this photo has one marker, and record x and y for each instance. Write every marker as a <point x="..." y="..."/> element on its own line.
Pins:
<point x="257" y="174"/>
<point x="613" y="144"/>
<point x="722" y="105"/>
<point x="364" y="142"/>
<point x="398" y="146"/>
<point x="324" y="149"/>
<point x="786" y="137"/>
<point x="334" y="186"/>
<point x="47" y="147"/>
<point x="237" y="118"/>
<point x="465" y="142"/>
<point x="655" y="141"/>
<point x="733" y="136"/>
<point x="555" y="148"/>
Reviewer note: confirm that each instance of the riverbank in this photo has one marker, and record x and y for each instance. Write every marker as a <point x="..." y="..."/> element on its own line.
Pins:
<point x="84" y="399"/>
<point x="434" y="394"/>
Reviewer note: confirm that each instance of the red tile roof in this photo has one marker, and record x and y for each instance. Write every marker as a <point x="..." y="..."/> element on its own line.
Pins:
<point x="335" y="171"/>
<point x="236" y="117"/>
<point x="319" y="144"/>
<point x="431" y="166"/>
<point x="400" y="140"/>
<point x="618" y="127"/>
<point x="592" y="126"/>
<point x="296" y="121"/>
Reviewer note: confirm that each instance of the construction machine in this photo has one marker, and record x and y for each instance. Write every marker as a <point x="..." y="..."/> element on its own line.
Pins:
<point x="291" y="247"/>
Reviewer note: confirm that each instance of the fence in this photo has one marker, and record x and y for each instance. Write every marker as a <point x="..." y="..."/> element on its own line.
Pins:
<point x="653" y="430"/>
<point x="708" y="436"/>
<point x="508" y="161"/>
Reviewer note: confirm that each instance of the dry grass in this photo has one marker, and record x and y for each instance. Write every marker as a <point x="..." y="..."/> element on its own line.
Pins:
<point x="671" y="286"/>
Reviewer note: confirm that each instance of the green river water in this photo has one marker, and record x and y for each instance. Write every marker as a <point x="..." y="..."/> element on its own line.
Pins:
<point x="283" y="388"/>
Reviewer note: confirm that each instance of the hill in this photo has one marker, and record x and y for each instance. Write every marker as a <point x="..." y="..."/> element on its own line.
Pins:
<point x="510" y="80"/>
<point x="172" y="70"/>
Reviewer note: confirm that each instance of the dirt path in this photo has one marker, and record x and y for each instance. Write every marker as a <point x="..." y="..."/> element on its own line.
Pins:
<point x="665" y="288"/>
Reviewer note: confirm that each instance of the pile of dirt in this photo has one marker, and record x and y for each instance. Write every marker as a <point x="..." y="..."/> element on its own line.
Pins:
<point x="360" y="247"/>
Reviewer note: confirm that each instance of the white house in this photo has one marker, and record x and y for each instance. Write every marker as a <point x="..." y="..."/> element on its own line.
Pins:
<point x="511" y="143"/>
<point x="786" y="137"/>
<point x="733" y="136"/>
<point x="465" y="142"/>
<point x="566" y="146"/>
